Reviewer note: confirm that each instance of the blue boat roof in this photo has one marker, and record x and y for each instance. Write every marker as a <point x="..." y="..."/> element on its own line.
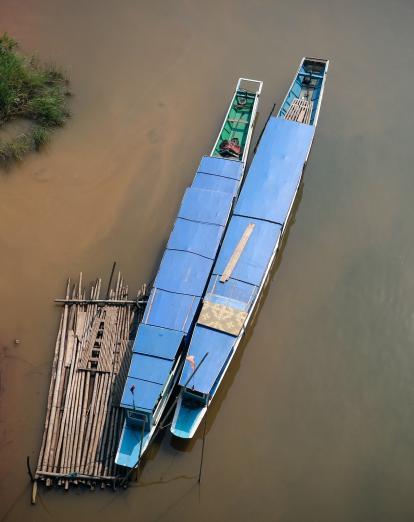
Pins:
<point x="170" y="310"/>
<point x="150" y="368"/>
<point x="206" y="206"/>
<point x="194" y="237"/>
<point x="231" y="289"/>
<point x="183" y="273"/>
<point x="221" y="167"/>
<point x="255" y="256"/>
<point x="265" y="201"/>
<point x="211" y="182"/>
<point x="218" y="345"/>
<point x="156" y="341"/>
<point x="276" y="170"/>
<point x="145" y="395"/>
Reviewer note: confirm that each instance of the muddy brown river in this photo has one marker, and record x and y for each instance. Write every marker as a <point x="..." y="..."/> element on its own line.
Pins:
<point x="315" y="420"/>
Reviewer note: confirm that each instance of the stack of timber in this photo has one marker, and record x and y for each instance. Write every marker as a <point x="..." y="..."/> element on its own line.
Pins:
<point x="92" y="355"/>
<point x="300" y="111"/>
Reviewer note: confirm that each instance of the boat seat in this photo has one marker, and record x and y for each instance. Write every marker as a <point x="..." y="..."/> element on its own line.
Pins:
<point x="233" y="120"/>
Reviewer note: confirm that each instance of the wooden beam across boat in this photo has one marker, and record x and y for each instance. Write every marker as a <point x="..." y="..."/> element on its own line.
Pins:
<point x="241" y="245"/>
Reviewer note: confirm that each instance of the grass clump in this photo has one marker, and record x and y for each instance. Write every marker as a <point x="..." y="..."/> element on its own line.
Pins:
<point x="14" y="150"/>
<point x="40" y="136"/>
<point x="32" y="91"/>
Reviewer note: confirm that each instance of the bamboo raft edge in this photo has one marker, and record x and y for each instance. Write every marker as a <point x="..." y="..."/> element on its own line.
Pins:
<point x="83" y="421"/>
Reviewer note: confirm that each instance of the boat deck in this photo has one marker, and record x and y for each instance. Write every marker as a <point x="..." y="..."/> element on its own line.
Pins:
<point x="249" y="245"/>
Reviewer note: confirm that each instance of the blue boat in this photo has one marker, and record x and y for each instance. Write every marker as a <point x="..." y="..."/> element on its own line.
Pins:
<point x="161" y="342"/>
<point x="250" y="244"/>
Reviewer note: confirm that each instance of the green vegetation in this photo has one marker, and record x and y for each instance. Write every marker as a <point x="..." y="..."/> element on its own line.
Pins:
<point x="29" y="91"/>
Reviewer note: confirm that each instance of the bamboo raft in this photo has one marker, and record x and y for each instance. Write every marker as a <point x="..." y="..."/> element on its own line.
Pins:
<point x="83" y="419"/>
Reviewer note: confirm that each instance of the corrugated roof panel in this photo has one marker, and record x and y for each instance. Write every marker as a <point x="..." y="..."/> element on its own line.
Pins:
<point x="157" y="341"/>
<point x="183" y="273"/>
<point x="169" y="310"/>
<point x="211" y="182"/>
<point x="231" y="289"/>
<point x="276" y="170"/>
<point x="221" y="167"/>
<point x="150" y="368"/>
<point x="255" y="256"/>
<point x="145" y="394"/>
<point x="206" y="206"/>
<point x="198" y="238"/>
<point x="226" y="301"/>
<point x="218" y="345"/>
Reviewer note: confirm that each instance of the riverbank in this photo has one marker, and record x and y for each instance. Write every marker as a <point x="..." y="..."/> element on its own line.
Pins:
<point x="32" y="101"/>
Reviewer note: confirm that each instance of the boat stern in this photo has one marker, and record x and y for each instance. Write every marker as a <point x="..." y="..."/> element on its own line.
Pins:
<point x="132" y="444"/>
<point x="189" y="413"/>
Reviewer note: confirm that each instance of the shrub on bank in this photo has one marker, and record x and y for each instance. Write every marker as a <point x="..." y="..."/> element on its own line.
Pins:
<point x="31" y="91"/>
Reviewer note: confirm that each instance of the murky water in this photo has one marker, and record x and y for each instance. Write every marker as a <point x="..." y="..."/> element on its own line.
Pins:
<point x="316" y="420"/>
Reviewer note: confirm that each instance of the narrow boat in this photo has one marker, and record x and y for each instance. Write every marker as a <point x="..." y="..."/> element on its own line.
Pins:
<point x="161" y="342"/>
<point x="250" y="244"/>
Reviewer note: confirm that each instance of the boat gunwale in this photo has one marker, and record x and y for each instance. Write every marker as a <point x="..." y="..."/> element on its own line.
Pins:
<point x="253" y="114"/>
<point x="321" y="92"/>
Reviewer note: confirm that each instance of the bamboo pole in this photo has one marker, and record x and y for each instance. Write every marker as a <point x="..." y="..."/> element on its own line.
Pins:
<point x="49" y="451"/>
<point x="50" y="396"/>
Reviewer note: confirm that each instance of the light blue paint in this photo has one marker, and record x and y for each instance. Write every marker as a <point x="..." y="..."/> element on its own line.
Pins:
<point x="194" y="237"/>
<point x="171" y="310"/>
<point x="218" y="345"/>
<point x="212" y="182"/>
<point x="183" y="273"/>
<point x="129" y="446"/>
<point x="144" y="396"/>
<point x="150" y="368"/>
<point x="275" y="172"/>
<point x="257" y="252"/>
<point x="206" y="206"/>
<point x="222" y="167"/>
<point x="159" y="342"/>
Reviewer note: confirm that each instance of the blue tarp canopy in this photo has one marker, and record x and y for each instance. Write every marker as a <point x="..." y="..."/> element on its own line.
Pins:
<point x="181" y="280"/>
<point x="198" y="238"/>
<point x="150" y="368"/>
<point x="211" y="182"/>
<point x="276" y="170"/>
<point x="231" y="289"/>
<point x="221" y="167"/>
<point x="145" y="395"/>
<point x="159" y="342"/>
<point x="170" y="310"/>
<point x="183" y="273"/>
<point x="252" y="264"/>
<point x="218" y="345"/>
<point x="206" y="206"/>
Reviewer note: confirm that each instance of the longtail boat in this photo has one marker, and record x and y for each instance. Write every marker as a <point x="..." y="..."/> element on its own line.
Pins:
<point x="250" y="244"/>
<point x="161" y="342"/>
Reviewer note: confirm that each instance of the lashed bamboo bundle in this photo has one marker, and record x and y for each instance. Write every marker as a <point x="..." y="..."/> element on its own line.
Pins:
<point x="92" y="354"/>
